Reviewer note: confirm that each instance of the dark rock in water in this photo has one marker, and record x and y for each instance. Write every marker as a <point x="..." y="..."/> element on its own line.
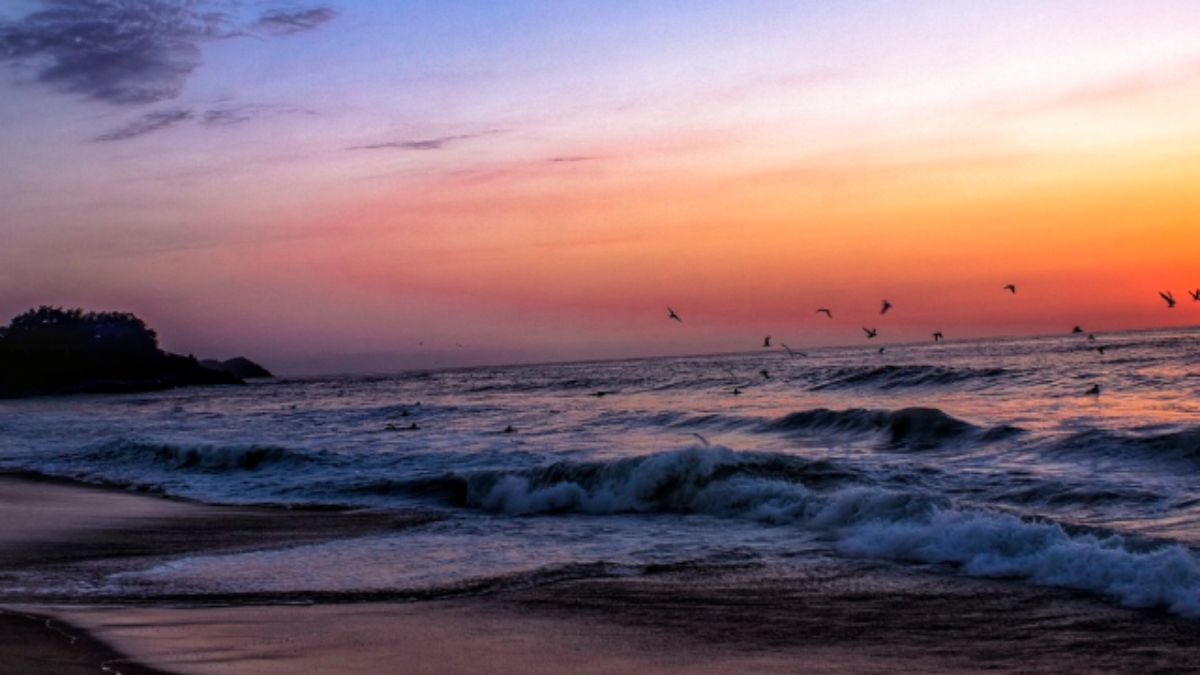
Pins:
<point x="55" y="351"/>
<point x="239" y="365"/>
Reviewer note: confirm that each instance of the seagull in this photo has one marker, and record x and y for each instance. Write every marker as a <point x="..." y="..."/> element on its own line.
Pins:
<point x="881" y="349"/>
<point x="1011" y="288"/>
<point x="937" y="336"/>
<point x="736" y="391"/>
<point x="1094" y="391"/>
<point x="871" y="332"/>
<point x="672" y="315"/>
<point x="1091" y="337"/>
<point x="883" y="309"/>
<point x="702" y="439"/>
<point x="766" y="342"/>
<point x="1076" y="330"/>
<point x="792" y="352"/>
<point x="826" y="312"/>
<point x="1168" y="297"/>
<point x="1101" y="350"/>
<point x="1195" y="295"/>
<point x="765" y="374"/>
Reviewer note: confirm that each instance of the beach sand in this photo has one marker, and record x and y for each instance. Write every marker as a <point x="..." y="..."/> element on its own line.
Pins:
<point x="675" y="620"/>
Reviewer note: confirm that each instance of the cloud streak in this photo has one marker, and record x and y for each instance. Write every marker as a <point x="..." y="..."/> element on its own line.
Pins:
<point x="128" y="52"/>
<point x="284" y="22"/>
<point x="146" y="124"/>
<point x="424" y="143"/>
<point x="224" y="116"/>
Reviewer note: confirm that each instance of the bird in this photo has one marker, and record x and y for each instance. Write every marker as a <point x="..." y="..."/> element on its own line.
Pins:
<point x="883" y="309"/>
<point x="881" y="349"/>
<point x="826" y="312"/>
<point x="766" y="342"/>
<point x="702" y="439"/>
<point x="937" y="336"/>
<point x="1091" y="337"/>
<point x="1195" y="295"/>
<point x="792" y="352"/>
<point x="871" y="332"/>
<point x="1076" y="330"/>
<point x="737" y="391"/>
<point x="1168" y="297"/>
<point x="672" y="315"/>
<point x="1094" y="391"/>
<point x="1011" y="288"/>
<point x="766" y="375"/>
<point x="1100" y="350"/>
<point x="509" y="430"/>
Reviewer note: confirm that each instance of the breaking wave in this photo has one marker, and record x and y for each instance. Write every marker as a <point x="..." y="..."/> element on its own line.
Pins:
<point x="905" y="525"/>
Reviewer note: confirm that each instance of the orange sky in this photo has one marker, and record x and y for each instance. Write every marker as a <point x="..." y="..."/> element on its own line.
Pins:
<point x="546" y="194"/>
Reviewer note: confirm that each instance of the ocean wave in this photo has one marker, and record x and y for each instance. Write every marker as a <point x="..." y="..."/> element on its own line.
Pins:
<point x="917" y="427"/>
<point x="898" y="377"/>
<point x="904" y="525"/>
<point x="1180" y="444"/>
<point x="210" y="458"/>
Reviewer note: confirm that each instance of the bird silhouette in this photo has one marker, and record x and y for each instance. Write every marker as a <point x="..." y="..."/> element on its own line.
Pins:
<point x="1195" y="295"/>
<point x="883" y="309"/>
<point x="1094" y="391"/>
<point x="1011" y="288"/>
<point x="937" y="336"/>
<point x="790" y="351"/>
<point x="672" y="315"/>
<point x="1100" y="350"/>
<point x="766" y="342"/>
<point x="881" y="349"/>
<point x="871" y="332"/>
<point x="1091" y="337"/>
<point x="737" y="391"/>
<point x="702" y="439"/>
<point x="1076" y="330"/>
<point x="1168" y="297"/>
<point x="766" y="375"/>
<point x="826" y="312"/>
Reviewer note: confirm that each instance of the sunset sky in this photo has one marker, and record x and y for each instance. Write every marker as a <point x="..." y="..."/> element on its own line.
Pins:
<point x="368" y="185"/>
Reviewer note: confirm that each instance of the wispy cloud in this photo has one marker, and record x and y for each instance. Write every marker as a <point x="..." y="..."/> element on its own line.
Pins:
<point x="222" y="116"/>
<point x="424" y="143"/>
<point x="128" y="52"/>
<point x="572" y="159"/>
<point x="285" y="22"/>
<point x="146" y="124"/>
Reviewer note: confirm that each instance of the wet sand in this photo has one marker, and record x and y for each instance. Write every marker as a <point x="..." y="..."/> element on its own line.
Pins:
<point x="850" y="617"/>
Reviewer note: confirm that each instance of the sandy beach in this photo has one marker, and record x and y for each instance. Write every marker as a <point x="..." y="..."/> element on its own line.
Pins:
<point x="671" y="621"/>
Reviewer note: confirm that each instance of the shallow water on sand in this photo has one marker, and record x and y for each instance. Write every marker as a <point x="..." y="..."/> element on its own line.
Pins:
<point x="982" y="459"/>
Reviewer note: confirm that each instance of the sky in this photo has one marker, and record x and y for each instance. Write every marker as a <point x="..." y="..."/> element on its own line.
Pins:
<point x="377" y="184"/>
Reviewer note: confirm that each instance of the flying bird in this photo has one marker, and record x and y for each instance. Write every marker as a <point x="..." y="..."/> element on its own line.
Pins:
<point x="792" y="352"/>
<point x="1076" y="330"/>
<point x="766" y="342"/>
<point x="765" y="374"/>
<point x="1195" y="295"/>
<point x="881" y="349"/>
<point x="702" y="439"/>
<point x="1100" y="350"/>
<point x="1091" y="337"/>
<point x="871" y="332"/>
<point x="937" y="336"/>
<point x="883" y="309"/>
<point x="826" y="312"/>
<point x="1168" y="297"/>
<point x="672" y="315"/>
<point x="1094" y="391"/>
<point x="1011" y="288"/>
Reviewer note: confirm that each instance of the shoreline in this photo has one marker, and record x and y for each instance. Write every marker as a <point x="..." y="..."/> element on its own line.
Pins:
<point x="860" y="616"/>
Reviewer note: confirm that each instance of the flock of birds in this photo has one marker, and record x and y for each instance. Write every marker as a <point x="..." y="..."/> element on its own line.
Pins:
<point x="886" y="306"/>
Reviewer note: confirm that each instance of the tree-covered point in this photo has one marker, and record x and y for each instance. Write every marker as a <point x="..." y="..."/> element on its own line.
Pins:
<point x="50" y="350"/>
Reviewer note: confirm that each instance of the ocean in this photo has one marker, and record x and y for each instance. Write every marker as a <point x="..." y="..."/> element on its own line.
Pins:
<point x="979" y="459"/>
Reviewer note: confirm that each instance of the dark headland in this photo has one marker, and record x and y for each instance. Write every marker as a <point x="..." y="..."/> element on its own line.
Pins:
<point x="49" y="350"/>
